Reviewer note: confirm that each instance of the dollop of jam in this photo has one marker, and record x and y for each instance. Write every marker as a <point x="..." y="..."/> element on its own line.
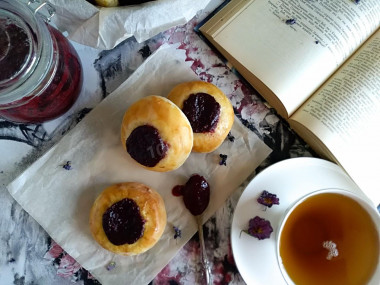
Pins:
<point x="196" y="194"/>
<point x="146" y="146"/>
<point x="177" y="190"/>
<point x="202" y="111"/>
<point x="123" y="223"/>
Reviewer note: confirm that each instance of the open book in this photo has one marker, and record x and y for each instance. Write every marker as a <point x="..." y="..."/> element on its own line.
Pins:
<point x="317" y="63"/>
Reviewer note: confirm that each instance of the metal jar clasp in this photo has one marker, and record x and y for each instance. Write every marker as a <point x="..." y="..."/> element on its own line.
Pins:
<point x="43" y="8"/>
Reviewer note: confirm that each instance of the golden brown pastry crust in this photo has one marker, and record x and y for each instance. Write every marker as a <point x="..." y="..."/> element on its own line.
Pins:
<point x="209" y="141"/>
<point x="107" y="3"/>
<point x="172" y="125"/>
<point x="152" y="209"/>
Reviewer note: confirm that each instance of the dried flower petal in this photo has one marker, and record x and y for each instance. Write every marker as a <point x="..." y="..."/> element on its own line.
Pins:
<point x="268" y="199"/>
<point x="230" y="137"/>
<point x="67" y="166"/>
<point x="223" y="159"/>
<point x="177" y="232"/>
<point x="259" y="228"/>
<point x="290" y="21"/>
<point x="111" y="265"/>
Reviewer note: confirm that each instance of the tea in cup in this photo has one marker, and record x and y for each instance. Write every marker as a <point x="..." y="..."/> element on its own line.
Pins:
<point x="330" y="237"/>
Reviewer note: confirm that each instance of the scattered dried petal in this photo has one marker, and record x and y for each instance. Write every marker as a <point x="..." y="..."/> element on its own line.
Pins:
<point x="67" y="166"/>
<point x="230" y="137"/>
<point x="111" y="265"/>
<point x="290" y="21"/>
<point x="259" y="228"/>
<point x="268" y="199"/>
<point x="177" y="232"/>
<point x="223" y="159"/>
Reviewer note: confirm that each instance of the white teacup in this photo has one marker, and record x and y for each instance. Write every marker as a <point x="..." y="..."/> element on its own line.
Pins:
<point x="330" y="236"/>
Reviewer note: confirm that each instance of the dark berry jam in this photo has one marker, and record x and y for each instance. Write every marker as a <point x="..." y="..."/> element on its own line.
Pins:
<point x="14" y="50"/>
<point x="202" y="111"/>
<point x="146" y="146"/>
<point x="178" y="190"/>
<point x="123" y="223"/>
<point x="61" y="91"/>
<point x="196" y="194"/>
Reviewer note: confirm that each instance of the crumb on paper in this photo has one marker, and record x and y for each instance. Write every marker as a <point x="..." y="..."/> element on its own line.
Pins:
<point x="268" y="199"/>
<point x="223" y="159"/>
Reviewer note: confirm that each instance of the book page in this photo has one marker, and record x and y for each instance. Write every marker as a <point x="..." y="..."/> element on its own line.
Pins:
<point x="345" y="115"/>
<point x="293" y="46"/>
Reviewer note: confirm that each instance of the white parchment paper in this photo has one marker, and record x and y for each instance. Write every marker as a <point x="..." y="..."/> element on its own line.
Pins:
<point x="106" y="27"/>
<point x="60" y="200"/>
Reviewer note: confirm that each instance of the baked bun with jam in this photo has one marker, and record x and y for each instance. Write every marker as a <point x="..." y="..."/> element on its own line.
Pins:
<point x="209" y="111"/>
<point x="156" y="134"/>
<point x="128" y="218"/>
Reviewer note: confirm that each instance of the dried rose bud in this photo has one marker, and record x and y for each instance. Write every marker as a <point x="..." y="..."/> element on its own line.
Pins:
<point x="268" y="199"/>
<point x="259" y="228"/>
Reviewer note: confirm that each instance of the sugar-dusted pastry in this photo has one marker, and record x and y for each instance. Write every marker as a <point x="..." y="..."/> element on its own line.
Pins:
<point x="209" y="111"/>
<point x="156" y="134"/>
<point x="128" y="218"/>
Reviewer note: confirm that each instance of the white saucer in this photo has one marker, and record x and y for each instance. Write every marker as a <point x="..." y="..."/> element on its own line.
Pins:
<point x="290" y="180"/>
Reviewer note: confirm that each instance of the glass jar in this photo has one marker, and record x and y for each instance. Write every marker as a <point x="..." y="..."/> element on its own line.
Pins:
<point x="40" y="71"/>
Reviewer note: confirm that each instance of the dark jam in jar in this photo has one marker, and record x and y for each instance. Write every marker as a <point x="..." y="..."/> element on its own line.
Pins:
<point x="123" y="223"/>
<point x="41" y="74"/>
<point x="61" y="91"/>
<point x="196" y="194"/>
<point x="146" y="146"/>
<point x="202" y="111"/>
<point x="12" y="38"/>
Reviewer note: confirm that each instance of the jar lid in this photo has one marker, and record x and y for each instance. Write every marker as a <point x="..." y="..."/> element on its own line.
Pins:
<point x="25" y="49"/>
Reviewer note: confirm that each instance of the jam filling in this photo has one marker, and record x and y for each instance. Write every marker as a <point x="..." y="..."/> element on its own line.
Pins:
<point x="146" y="146"/>
<point x="196" y="194"/>
<point x="202" y="111"/>
<point x="123" y="223"/>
